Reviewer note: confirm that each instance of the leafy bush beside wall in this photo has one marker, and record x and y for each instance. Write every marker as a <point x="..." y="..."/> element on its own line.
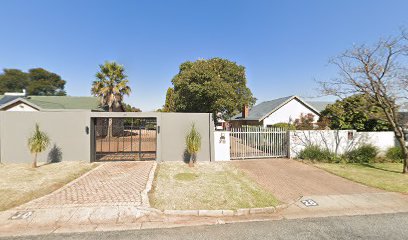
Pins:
<point x="363" y="154"/>
<point x="316" y="153"/>
<point x="394" y="154"/>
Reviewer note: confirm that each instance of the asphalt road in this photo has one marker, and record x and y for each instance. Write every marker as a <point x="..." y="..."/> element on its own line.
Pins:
<point x="385" y="226"/>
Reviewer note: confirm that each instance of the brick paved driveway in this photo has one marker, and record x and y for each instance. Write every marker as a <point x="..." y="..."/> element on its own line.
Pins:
<point x="289" y="180"/>
<point x="112" y="184"/>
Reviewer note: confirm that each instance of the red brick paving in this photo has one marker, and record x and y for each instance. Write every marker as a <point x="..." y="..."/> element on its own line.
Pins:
<point x="289" y="179"/>
<point x="113" y="183"/>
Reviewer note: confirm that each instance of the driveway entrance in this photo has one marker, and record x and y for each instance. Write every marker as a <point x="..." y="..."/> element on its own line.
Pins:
<point x="112" y="184"/>
<point x="127" y="139"/>
<point x="289" y="179"/>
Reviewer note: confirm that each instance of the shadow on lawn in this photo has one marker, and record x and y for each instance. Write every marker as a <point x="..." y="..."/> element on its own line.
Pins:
<point x="379" y="168"/>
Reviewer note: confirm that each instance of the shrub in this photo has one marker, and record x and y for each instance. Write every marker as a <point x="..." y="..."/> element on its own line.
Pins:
<point x="395" y="154"/>
<point x="316" y="153"/>
<point x="193" y="144"/>
<point x="286" y="126"/>
<point x="363" y="154"/>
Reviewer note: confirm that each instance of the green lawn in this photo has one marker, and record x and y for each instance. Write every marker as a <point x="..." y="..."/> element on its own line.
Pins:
<point x="386" y="176"/>
<point x="206" y="186"/>
<point x="19" y="183"/>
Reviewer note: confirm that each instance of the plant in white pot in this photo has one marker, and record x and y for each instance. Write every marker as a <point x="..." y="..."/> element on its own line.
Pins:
<point x="193" y="144"/>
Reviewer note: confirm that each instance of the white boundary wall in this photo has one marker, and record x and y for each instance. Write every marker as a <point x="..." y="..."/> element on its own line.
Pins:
<point x="338" y="141"/>
<point x="222" y="145"/>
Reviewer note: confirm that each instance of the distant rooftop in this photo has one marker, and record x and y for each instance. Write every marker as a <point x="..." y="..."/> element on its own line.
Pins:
<point x="261" y="110"/>
<point x="57" y="102"/>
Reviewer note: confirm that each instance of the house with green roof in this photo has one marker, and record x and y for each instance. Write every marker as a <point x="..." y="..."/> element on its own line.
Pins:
<point x="281" y="110"/>
<point x="22" y="102"/>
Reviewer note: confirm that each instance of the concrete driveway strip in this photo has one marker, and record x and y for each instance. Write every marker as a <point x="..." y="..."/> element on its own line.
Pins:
<point x="290" y="180"/>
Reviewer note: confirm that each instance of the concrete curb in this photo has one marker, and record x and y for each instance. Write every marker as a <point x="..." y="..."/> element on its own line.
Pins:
<point x="225" y="213"/>
<point x="149" y="183"/>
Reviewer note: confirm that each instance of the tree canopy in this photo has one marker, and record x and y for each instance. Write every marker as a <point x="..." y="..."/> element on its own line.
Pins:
<point x="36" y="81"/>
<point x="111" y="84"/>
<point x="356" y="112"/>
<point x="130" y="108"/>
<point x="215" y="86"/>
<point x="378" y="72"/>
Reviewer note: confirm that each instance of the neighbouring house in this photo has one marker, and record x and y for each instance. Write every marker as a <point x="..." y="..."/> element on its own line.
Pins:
<point x="285" y="110"/>
<point x="22" y="102"/>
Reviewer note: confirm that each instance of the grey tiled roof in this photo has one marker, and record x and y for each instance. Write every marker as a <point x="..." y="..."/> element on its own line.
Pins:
<point x="6" y="99"/>
<point x="319" y="105"/>
<point x="260" y="111"/>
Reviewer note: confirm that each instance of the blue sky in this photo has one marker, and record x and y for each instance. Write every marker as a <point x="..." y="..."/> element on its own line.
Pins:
<point x="284" y="45"/>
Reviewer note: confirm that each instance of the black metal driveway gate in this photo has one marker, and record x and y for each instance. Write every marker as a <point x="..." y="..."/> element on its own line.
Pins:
<point x="124" y="139"/>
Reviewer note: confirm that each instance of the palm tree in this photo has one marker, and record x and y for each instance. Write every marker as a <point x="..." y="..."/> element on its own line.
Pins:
<point x="37" y="143"/>
<point x="110" y="86"/>
<point x="193" y="143"/>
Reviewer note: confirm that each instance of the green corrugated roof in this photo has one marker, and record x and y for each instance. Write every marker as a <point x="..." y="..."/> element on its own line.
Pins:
<point x="64" y="102"/>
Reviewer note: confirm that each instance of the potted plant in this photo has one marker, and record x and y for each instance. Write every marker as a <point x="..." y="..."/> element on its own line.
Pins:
<point x="193" y="144"/>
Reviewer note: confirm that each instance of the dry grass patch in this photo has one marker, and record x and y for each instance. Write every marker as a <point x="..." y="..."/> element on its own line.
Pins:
<point x="206" y="186"/>
<point x="19" y="183"/>
<point x="385" y="176"/>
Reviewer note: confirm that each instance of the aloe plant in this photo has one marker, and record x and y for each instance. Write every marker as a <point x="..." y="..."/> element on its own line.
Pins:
<point x="37" y="143"/>
<point x="193" y="144"/>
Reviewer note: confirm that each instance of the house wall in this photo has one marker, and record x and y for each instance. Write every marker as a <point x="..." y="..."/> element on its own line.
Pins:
<point x="288" y="112"/>
<point x="21" y="107"/>
<point x="71" y="134"/>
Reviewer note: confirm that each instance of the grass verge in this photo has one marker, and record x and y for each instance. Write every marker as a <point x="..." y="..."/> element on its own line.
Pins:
<point x="209" y="186"/>
<point x="19" y="183"/>
<point x="385" y="176"/>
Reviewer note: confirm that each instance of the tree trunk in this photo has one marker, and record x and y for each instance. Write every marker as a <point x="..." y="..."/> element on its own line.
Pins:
<point x="34" y="164"/>
<point x="404" y="149"/>
<point x="110" y="123"/>
<point x="191" y="162"/>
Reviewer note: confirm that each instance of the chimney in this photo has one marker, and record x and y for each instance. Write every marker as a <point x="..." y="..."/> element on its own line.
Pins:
<point x="245" y="111"/>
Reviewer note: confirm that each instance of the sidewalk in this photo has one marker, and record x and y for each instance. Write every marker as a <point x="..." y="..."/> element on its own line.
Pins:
<point x="114" y="218"/>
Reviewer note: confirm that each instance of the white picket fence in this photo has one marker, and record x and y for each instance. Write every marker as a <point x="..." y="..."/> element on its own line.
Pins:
<point x="258" y="142"/>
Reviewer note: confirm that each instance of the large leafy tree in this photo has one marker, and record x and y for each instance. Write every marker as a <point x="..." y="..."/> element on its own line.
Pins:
<point x="111" y="85"/>
<point x="36" y="81"/>
<point x="356" y="112"/>
<point x="169" y="105"/>
<point x="43" y="82"/>
<point x="215" y="86"/>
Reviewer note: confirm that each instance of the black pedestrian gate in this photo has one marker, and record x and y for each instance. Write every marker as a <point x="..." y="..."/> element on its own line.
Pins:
<point x="131" y="139"/>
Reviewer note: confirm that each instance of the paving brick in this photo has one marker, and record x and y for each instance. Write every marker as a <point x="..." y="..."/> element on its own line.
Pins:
<point x="113" y="183"/>
<point x="289" y="179"/>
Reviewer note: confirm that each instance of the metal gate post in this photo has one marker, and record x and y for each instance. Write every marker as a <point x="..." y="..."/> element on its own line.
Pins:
<point x="140" y="140"/>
